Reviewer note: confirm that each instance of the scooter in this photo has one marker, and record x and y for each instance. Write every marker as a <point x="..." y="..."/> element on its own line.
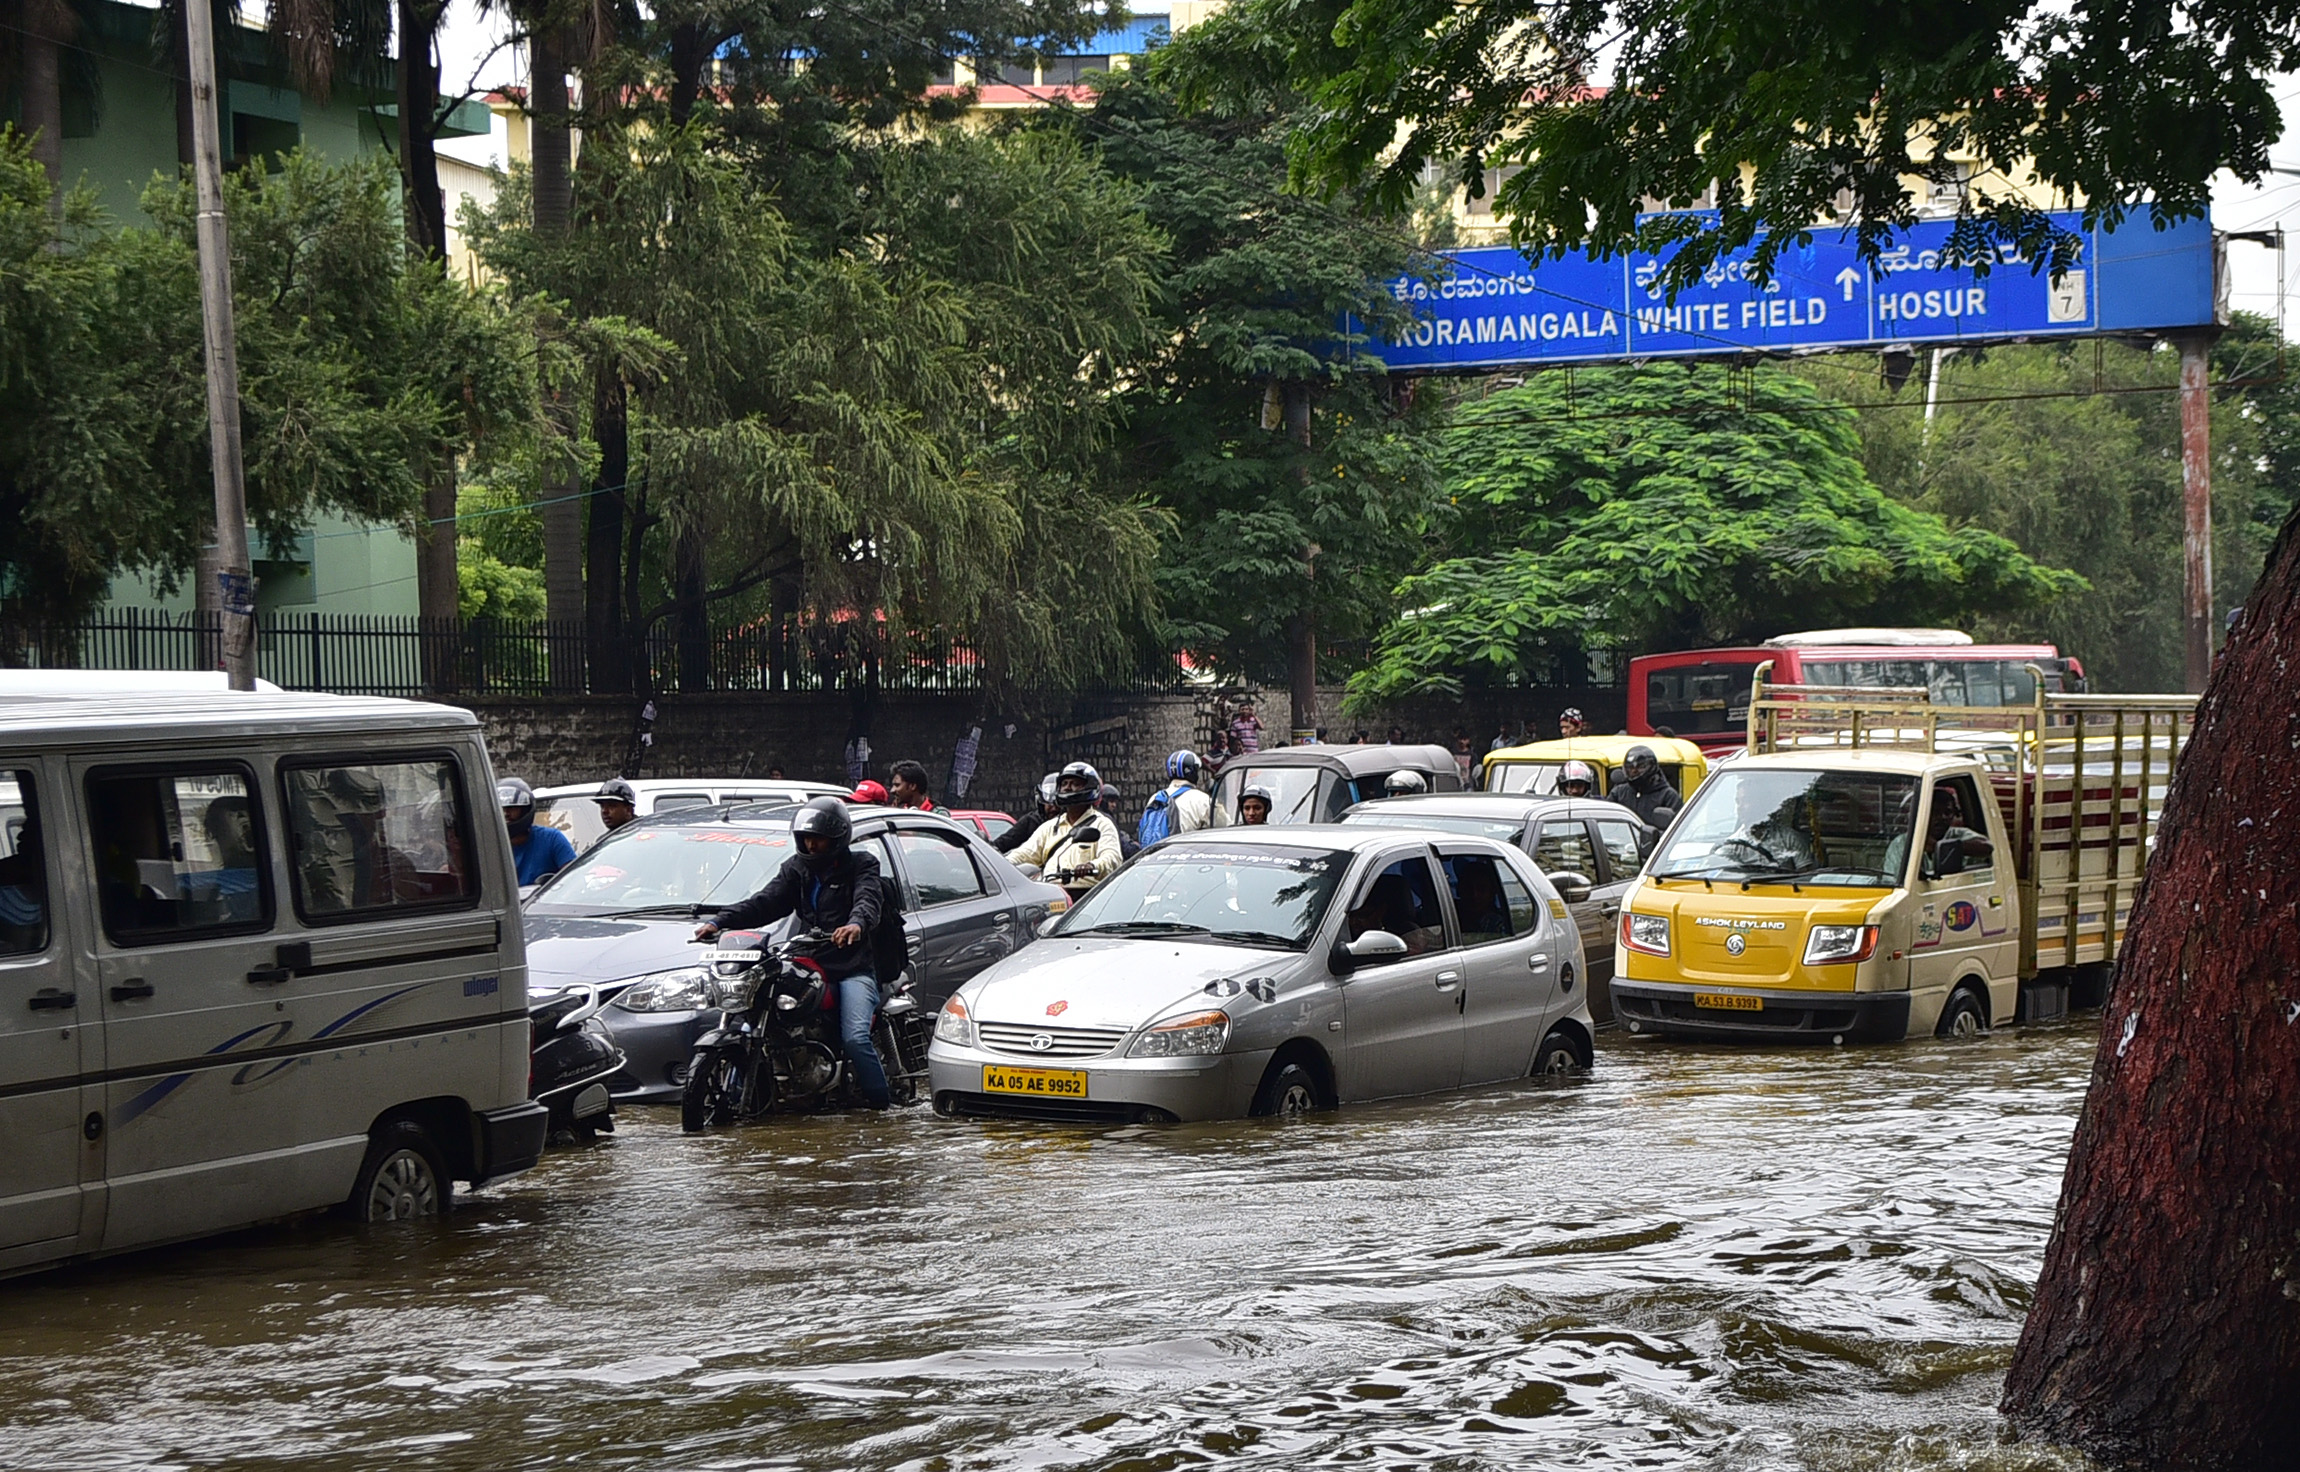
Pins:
<point x="570" y="1057"/>
<point x="775" y="1044"/>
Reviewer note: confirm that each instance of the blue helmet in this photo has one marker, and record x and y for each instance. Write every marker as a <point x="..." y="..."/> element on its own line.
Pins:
<point x="1184" y="764"/>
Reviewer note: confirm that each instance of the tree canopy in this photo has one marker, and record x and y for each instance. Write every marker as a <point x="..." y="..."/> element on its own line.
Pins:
<point x="1670" y="507"/>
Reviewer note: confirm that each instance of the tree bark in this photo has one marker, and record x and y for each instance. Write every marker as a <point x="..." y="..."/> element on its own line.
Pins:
<point x="438" y="593"/>
<point x="562" y="505"/>
<point x="418" y="81"/>
<point x="2166" y="1327"/>
<point x="47" y="26"/>
<point x="691" y="48"/>
<point x="603" y="580"/>
<point x="692" y="620"/>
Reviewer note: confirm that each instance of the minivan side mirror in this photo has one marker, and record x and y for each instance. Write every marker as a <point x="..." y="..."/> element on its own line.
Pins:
<point x="1374" y="945"/>
<point x="1571" y="887"/>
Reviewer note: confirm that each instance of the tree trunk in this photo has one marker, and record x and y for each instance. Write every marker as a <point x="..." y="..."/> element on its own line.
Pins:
<point x="603" y="579"/>
<point x="691" y="48"/>
<point x="692" y="579"/>
<point x="438" y="594"/>
<point x="2165" y="1332"/>
<point x="562" y="505"/>
<point x="47" y="25"/>
<point x="1302" y="627"/>
<point x="418" y="127"/>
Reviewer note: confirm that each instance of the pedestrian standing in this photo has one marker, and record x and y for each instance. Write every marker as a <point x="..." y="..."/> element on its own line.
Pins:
<point x="906" y="785"/>
<point x="1246" y="727"/>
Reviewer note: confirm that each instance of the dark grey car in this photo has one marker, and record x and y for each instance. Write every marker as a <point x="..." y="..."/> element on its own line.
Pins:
<point x="622" y="915"/>
<point x="1598" y="843"/>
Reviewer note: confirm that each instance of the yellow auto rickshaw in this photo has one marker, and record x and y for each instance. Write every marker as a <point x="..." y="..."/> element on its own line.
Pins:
<point x="1534" y="767"/>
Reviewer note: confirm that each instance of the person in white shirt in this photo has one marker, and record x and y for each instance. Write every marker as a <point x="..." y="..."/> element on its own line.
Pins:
<point x="1078" y="847"/>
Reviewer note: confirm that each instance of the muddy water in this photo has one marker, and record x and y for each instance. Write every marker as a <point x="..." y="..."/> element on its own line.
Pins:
<point x="1809" y="1259"/>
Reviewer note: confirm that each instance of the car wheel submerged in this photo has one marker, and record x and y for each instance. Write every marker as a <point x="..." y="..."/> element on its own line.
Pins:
<point x="402" y="1177"/>
<point x="1962" y="1017"/>
<point x="1289" y="1090"/>
<point x="1559" y="1056"/>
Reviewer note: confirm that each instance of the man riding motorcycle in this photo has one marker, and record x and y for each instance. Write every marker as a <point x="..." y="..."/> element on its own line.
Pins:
<point x="1077" y="848"/>
<point x="1644" y="789"/>
<point x="1575" y="779"/>
<point x="829" y="887"/>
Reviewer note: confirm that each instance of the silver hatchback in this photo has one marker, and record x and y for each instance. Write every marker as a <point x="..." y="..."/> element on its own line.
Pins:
<point x="1265" y="970"/>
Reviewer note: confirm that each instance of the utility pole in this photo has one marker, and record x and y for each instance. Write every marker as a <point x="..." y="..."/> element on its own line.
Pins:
<point x="2196" y="503"/>
<point x="235" y="581"/>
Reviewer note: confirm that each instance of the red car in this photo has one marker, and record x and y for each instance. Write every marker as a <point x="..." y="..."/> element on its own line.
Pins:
<point x="984" y="821"/>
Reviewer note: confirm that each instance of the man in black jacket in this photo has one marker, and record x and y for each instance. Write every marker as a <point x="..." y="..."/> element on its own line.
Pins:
<point x="830" y="887"/>
<point x="1645" y="789"/>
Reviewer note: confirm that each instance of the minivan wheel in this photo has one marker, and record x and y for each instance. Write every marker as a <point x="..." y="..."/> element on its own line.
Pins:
<point x="402" y="1178"/>
<point x="1288" y="1092"/>
<point x="1963" y="1017"/>
<point x="1557" y="1057"/>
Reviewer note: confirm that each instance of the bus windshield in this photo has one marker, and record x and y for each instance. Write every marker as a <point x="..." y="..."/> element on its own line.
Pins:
<point x="1770" y="825"/>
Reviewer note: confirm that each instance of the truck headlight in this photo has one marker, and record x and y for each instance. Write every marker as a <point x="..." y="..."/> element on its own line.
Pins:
<point x="1201" y="1032"/>
<point x="683" y="990"/>
<point x="954" y="1026"/>
<point x="1647" y="933"/>
<point x="1831" y="944"/>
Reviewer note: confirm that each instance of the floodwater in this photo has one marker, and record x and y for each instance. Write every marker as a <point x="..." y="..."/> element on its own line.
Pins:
<point x="1696" y="1258"/>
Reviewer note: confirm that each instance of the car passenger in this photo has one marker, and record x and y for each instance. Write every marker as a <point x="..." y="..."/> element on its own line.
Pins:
<point x="1947" y="840"/>
<point x="830" y="887"/>
<point x="230" y="886"/>
<point x="24" y="893"/>
<point x="1389" y="905"/>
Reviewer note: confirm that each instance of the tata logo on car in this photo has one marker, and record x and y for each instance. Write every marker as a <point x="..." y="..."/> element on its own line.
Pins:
<point x="1741" y="924"/>
<point x="1040" y="1042"/>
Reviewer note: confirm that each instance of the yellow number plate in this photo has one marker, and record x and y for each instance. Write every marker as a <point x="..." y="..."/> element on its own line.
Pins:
<point x="1728" y="1001"/>
<point x="1045" y="1083"/>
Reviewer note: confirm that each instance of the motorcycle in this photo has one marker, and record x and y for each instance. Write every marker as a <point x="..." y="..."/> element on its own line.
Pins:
<point x="570" y="1057"/>
<point x="774" y="1047"/>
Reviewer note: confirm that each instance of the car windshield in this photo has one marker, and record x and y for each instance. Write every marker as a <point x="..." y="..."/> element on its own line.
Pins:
<point x="1256" y="896"/>
<point x="1507" y="830"/>
<point x="706" y="866"/>
<point x="1769" y="825"/>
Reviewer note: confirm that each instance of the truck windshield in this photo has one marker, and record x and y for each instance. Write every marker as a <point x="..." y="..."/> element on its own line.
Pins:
<point x="1771" y="825"/>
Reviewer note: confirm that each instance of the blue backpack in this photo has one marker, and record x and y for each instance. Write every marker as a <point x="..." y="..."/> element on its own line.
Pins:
<point x="1157" y="819"/>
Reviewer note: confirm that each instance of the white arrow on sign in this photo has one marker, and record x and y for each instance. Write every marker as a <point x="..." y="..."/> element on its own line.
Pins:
<point x="1848" y="279"/>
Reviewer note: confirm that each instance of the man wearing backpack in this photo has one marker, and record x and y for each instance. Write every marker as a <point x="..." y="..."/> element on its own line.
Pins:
<point x="1179" y="807"/>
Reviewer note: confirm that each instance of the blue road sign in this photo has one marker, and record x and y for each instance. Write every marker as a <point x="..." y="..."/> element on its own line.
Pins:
<point x="1497" y="309"/>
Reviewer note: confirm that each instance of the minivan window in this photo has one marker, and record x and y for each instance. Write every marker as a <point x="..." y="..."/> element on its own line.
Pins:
<point x="23" y="868"/>
<point x="375" y="836"/>
<point x="177" y="853"/>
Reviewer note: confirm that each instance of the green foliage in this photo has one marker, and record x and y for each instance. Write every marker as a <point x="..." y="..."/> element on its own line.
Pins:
<point x="1265" y="531"/>
<point x="487" y="587"/>
<point x="2124" y="104"/>
<point x="1673" y="507"/>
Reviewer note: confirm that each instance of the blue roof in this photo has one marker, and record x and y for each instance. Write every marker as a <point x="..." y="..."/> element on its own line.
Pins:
<point x="1133" y="38"/>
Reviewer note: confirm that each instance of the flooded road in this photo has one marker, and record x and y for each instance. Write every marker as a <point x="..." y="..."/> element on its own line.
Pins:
<point x="1697" y="1258"/>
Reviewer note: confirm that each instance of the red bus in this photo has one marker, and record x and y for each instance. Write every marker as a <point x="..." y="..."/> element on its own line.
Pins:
<point x="1703" y="694"/>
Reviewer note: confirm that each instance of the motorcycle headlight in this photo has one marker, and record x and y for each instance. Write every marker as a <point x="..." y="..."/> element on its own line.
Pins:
<point x="735" y="992"/>
<point x="683" y="990"/>
<point x="1834" y="943"/>
<point x="955" y="1025"/>
<point x="1181" y="1037"/>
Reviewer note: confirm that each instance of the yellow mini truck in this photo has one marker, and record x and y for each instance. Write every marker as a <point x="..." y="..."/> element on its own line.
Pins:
<point x="1877" y="866"/>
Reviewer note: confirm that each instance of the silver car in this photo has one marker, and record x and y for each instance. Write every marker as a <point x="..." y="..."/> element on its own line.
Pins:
<point x="1265" y="970"/>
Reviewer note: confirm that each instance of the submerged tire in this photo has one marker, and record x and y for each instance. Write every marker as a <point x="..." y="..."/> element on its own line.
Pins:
<point x="1289" y="1091"/>
<point x="1559" y="1056"/>
<point x="404" y="1176"/>
<point x="695" y="1098"/>
<point x="1963" y="1017"/>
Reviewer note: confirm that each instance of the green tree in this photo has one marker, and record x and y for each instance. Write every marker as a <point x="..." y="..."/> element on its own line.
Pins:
<point x="1671" y="507"/>
<point x="1298" y="476"/>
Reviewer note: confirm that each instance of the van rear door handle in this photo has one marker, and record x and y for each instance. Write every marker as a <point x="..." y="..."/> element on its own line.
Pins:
<point x="48" y="999"/>
<point x="270" y="975"/>
<point x="134" y="989"/>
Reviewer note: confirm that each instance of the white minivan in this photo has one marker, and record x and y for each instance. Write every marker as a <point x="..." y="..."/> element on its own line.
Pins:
<point x="259" y="953"/>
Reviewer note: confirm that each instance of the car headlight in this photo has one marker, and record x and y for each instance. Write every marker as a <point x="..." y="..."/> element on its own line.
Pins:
<point x="954" y="1026"/>
<point x="1647" y="933"/>
<point x="683" y="990"/>
<point x="1201" y="1032"/>
<point x="1829" y="944"/>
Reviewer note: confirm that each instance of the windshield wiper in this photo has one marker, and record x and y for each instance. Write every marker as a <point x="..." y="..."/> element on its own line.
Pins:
<point x="691" y="912"/>
<point x="1141" y="927"/>
<point x="1260" y="938"/>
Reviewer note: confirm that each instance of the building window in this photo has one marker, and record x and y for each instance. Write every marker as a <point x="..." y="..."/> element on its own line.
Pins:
<point x="1071" y="71"/>
<point x="1018" y="74"/>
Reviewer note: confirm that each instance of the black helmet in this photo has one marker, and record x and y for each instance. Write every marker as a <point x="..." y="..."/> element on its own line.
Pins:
<point x="1184" y="764"/>
<point x="1404" y="784"/>
<point x="1638" y="762"/>
<point x="824" y="817"/>
<point x="615" y="789"/>
<point x="517" y="800"/>
<point x="1077" y="786"/>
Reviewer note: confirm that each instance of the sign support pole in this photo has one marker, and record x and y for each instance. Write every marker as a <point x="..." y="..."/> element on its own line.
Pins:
<point x="2196" y="504"/>
<point x="235" y="581"/>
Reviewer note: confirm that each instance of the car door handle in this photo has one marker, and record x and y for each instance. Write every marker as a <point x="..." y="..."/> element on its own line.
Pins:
<point x="1613" y="909"/>
<point x="134" y="989"/>
<point x="1448" y="980"/>
<point x="1537" y="963"/>
<point x="48" y="999"/>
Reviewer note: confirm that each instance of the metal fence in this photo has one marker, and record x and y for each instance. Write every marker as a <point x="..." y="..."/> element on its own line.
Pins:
<point x="350" y="654"/>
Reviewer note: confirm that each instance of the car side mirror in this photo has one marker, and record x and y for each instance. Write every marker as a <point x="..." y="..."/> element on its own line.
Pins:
<point x="1045" y="923"/>
<point x="1374" y="945"/>
<point x="1571" y="888"/>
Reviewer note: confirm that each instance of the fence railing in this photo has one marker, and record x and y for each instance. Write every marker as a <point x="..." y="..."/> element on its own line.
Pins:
<point x="351" y="654"/>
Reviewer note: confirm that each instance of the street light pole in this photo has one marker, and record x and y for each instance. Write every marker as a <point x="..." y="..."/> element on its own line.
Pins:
<point x="235" y="581"/>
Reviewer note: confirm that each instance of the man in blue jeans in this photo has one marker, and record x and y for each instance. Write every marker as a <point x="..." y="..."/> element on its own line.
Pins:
<point x="829" y="887"/>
